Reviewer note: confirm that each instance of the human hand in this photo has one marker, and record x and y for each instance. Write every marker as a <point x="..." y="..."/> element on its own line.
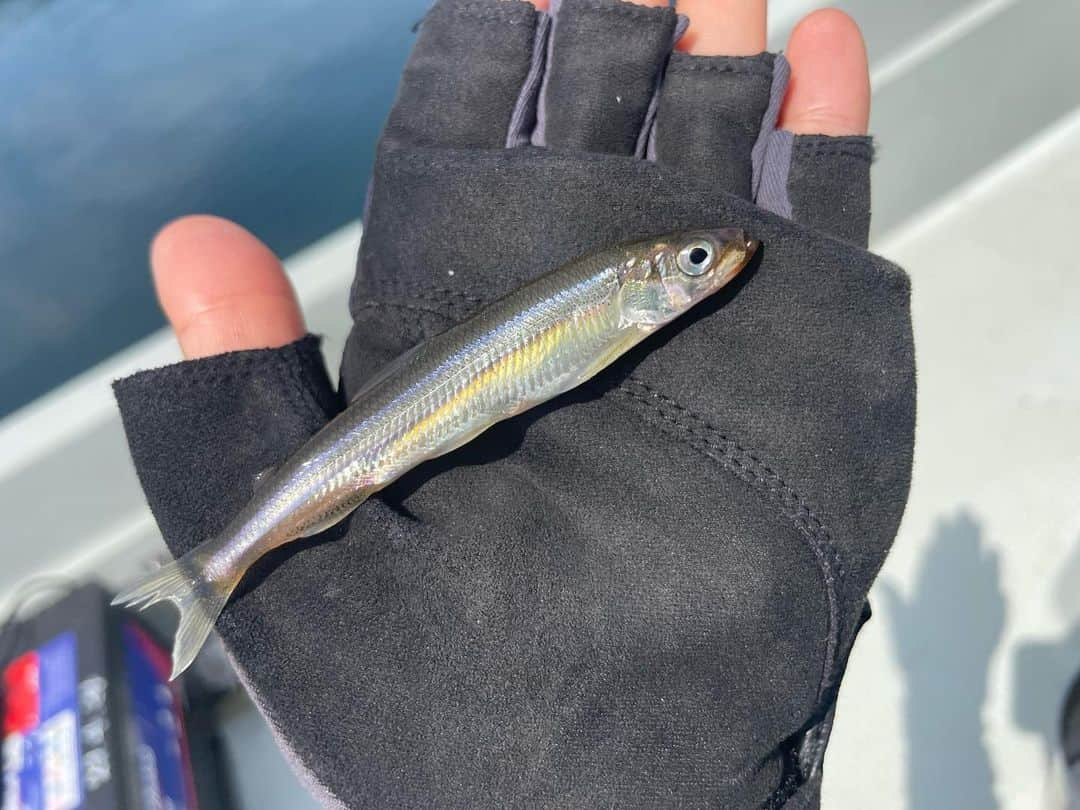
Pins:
<point x="644" y="597"/>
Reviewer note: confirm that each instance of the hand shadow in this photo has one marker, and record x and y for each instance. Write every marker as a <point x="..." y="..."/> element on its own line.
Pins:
<point x="945" y="633"/>
<point x="1045" y="669"/>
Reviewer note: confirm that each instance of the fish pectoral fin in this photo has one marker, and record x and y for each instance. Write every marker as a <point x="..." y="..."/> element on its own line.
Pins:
<point x="338" y="515"/>
<point x="387" y="372"/>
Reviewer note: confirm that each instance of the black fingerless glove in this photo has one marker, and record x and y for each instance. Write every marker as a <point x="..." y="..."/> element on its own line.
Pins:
<point x="643" y="594"/>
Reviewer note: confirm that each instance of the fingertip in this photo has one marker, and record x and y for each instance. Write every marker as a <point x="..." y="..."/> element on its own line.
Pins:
<point x="182" y="246"/>
<point x="545" y="5"/>
<point x="221" y="288"/>
<point x="724" y="27"/>
<point x="829" y="92"/>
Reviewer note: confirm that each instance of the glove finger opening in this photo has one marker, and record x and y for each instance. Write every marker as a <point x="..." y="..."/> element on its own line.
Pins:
<point x="465" y="74"/>
<point x="711" y="115"/>
<point x="604" y="58"/>
<point x="820" y="181"/>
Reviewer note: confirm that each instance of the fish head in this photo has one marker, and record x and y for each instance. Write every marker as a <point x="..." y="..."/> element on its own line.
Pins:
<point x="662" y="278"/>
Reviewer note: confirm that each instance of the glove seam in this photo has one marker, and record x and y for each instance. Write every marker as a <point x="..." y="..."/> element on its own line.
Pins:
<point x="302" y="386"/>
<point x="480" y="17"/>
<point x="751" y="65"/>
<point x="207" y="367"/>
<point x="625" y="10"/>
<point x="425" y="292"/>
<point x="860" y="147"/>
<point x="697" y="433"/>
<point x="428" y="158"/>
<point x="830" y="565"/>
<point x="744" y="465"/>
<point x="683" y="67"/>
<point x="855" y="140"/>
<point x="821" y="152"/>
<point x="406" y="306"/>
<point x="285" y="364"/>
<point x="193" y="373"/>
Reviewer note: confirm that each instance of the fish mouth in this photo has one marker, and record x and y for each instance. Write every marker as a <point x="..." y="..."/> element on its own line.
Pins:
<point x="736" y="238"/>
<point x="740" y="237"/>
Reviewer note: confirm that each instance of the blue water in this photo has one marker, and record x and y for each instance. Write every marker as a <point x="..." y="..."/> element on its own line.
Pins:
<point x="118" y="115"/>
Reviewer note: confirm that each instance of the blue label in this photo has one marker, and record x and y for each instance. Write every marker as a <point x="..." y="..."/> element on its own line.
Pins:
<point x="164" y="769"/>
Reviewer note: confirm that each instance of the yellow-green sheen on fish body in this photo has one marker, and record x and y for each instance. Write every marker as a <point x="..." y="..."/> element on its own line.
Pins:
<point x="531" y="345"/>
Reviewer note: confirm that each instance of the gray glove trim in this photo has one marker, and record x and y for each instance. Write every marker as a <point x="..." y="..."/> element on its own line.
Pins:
<point x="772" y="194"/>
<point x="780" y="79"/>
<point x="527" y="111"/>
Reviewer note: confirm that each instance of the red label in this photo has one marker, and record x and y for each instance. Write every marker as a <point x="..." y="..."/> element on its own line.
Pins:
<point x="22" y="708"/>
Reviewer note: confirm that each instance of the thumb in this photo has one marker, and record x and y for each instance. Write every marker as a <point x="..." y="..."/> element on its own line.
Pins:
<point x="222" y="289"/>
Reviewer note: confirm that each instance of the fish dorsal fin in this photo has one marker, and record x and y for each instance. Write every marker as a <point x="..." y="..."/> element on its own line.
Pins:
<point x="387" y="371"/>
<point x="262" y="475"/>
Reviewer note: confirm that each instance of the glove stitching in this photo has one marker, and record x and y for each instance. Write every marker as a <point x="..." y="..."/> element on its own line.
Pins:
<point x="290" y="371"/>
<point x="212" y="370"/>
<point x="428" y="310"/>
<point x="753" y="465"/>
<point x="439" y="296"/>
<point x="823" y="152"/>
<point x="829" y="563"/>
<point x="757" y="468"/>
<point x="191" y="376"/>
<point x="479" y="17"/>
<point x="849" y="140"/>
<point x="427" y="161"/>
<point x="736" y="67"/>
<point x="197" y="379"/>
<point x="854" y="146"/>
<point x="442" y="293"/>
<point x="746" y="466"/>
<point x="625" y="10"/>
<point x="285" y="365"/>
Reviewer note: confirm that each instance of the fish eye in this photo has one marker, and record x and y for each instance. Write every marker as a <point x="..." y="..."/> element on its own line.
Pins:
<point x="696" y="258"/>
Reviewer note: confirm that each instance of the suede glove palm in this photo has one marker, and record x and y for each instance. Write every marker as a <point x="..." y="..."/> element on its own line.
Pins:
<point x="643" y="594"/>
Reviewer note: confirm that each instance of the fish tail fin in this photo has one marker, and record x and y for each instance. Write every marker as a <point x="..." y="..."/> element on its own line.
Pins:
<point x="198" y="598"/>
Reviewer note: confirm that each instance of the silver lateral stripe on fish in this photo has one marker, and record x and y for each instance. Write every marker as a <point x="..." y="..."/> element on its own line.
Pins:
<point x="535" y="343"/>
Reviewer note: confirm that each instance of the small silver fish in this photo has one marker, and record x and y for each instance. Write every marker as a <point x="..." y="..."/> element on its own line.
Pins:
<point x="534" y="344"/>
